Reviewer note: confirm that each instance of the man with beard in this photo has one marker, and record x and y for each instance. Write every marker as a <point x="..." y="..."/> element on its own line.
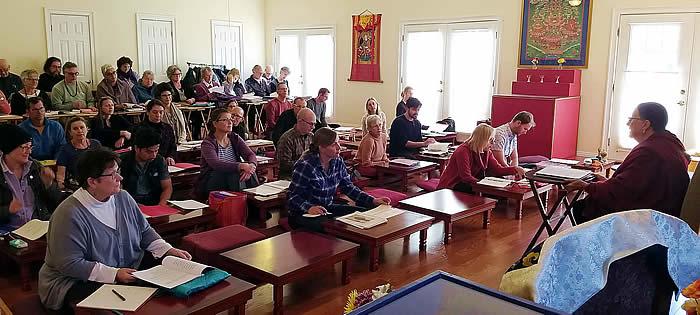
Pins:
<point x="51" y="76"/>
<point x="405" y="136"/>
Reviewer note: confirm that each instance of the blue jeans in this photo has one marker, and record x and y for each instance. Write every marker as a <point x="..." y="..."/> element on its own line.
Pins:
<point x="316" y="224"/>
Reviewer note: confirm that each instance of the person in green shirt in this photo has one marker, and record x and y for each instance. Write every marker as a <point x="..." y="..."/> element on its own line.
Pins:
<point x="70" y="93"/>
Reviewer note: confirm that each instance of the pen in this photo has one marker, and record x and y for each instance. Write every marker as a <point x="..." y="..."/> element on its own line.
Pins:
<point x="119" y="295"/>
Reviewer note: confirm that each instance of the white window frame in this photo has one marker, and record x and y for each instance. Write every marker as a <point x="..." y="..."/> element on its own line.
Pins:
<point x="91" y="21"/>
<point x="164" y="18"/>
<point x="404" y="24"/>
<point x="306" y="28"/>
<point x="215" y="23"/>
<point x="606" y="139"/>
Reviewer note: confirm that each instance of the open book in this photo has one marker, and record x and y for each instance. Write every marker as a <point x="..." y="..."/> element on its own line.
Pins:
<point x="172" y="272"/>
<point x="495" y="182"/>
<point x="404" y="162"/>
<point x="105" y="298"/>
<point x="270" y="188"/>
<point x="361" y="220"/>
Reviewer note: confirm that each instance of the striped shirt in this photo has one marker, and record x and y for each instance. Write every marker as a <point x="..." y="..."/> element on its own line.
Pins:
<point x="226" y="154"/>
<point x="313" y="186"/>
<point x="504" y="140"/>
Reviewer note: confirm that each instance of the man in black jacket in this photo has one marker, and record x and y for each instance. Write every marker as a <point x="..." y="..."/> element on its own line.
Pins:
<point x="27" y="189"/>
<point x="256" y="83"/>
<point x="168" y="145"/>
<point x="144" y="171"/>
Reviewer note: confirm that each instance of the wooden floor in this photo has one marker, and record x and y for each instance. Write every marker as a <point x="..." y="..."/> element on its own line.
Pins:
<point x="475" y="254"/>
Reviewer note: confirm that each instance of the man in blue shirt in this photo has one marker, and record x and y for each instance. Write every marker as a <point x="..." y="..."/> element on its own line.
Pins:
<point x="47" y="135"/>
<point x="405" y="135"/>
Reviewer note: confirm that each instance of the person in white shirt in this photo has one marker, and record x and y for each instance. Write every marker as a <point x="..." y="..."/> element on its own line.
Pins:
<point x="505" y="141"/>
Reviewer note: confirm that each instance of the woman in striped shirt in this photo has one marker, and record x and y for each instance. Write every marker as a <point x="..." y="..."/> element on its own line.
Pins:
<point x="227" y="162"/>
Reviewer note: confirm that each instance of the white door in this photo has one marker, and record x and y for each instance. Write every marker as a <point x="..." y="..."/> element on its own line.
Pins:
<point x="452" y="70"/>
<point x="227" y="45"/>
<point x="310" y="56"/>
<point x="653" y="63"/>
<point x="69" y="39"/>
<point x="423" y="68"/>
<point x="157" y="49"/>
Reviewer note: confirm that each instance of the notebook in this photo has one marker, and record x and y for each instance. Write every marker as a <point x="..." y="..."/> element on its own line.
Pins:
<point x="172" y="272"/>
<point x="404" y="162"/>
<point x="188" y="204"/>
<point x="156" y="211"/>
<point x="105" y="299"/>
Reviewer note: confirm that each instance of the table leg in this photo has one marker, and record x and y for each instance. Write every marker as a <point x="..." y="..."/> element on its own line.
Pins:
<point x="423" y="239"/>
<point x="346" y="271"/>
<point x="204" y="124"/>
<point x="448" y="231"/>
<point x="407" y="238"/>
<point x="487" y="218"/>
<point x="262" y="216"/>
<point x="545" y="198"/>
<point x="26" y="276"/>
<point x="237" y="310"/>
<point x="188" y="125"/>
<point x="404" y="183"/>
<point x="373" y="258"/>
<point x="518" y="209"/>
<point x="279" y="299"/>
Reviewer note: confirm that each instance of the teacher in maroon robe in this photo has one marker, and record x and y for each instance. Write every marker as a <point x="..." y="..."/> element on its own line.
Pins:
<point x="653" y="176"/>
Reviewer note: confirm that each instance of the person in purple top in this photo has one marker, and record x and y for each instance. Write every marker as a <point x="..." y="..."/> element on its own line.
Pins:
<point x="27" y="189"/>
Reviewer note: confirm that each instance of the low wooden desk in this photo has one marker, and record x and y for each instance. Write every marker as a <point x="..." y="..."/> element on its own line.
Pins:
<point x="185" y="178"/>
<point x="254" y="145"/>
<point x="442" y="136"/>
<point x="228" y="295"/>
<point x="279" y="201"/>
<point x="24" y="257"/>
<point x="12" y="119"/>
<point x="199" y="109"/>
<point x="440" y="160"/>
<point x="449" y="206"/>
<point x="548" y="217"/>
<point x="268" y="167"/>
<point x="405" y="171"/>
<point x="288" y="257"/>
<point x="258" y="127"/>
<point x="514" y="192"/>
<point x="397" y="227"/>
<point x="184" y="220"/>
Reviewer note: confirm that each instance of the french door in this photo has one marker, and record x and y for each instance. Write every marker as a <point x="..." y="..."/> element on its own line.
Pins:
<point x="657" y="60"/>
<point x="452" y="69"/>
<point x="310" y="55"/>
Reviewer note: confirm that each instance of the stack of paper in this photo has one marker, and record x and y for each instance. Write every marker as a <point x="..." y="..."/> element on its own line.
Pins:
<point x="105" y="297"/>
<point x="251" y="97"/>
<point x="258" y="142"/>
<point x="263" y="158"/>
<point x="344" y="129"/>
<point x="562" y="172"/>
<point x="361" y="220"/>
<point x="404" y="162"/>
<point x="495" y="182"/>
<point x="563" y="161"/>
<point x="384" y="211"/>
<point x="217" y="89"/>
<point x="269" y="189"/>
<point x="33" y="229"/>
<point x="188" y="204"/>
<point x="172" y="272"/>
<point x="438" y="148"/>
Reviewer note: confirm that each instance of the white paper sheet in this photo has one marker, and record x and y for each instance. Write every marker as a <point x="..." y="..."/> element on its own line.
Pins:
<point x="33" y="229"/>
<point x="384" y="211"/>
<point x="188" y="204"/>
<point x="173" y="169"/>
<point x="105" y="299"/>
<point x="174" y="271"/>
<point x="495" y="182"/>
<point x="562" y="172"/>
<point x="563" y="161"/>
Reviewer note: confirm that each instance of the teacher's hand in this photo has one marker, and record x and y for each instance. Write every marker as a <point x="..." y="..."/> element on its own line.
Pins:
<point x="178" y="253"/>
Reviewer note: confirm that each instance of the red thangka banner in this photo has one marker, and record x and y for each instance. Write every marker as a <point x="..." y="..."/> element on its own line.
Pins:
<point x="365" y="47"/>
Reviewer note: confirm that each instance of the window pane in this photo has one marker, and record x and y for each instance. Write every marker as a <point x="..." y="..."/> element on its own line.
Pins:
<point x="424" y="63"/>
<point x="471" y="64"/>
<point x="289" y="56"/>
<point x="320" y="70"/>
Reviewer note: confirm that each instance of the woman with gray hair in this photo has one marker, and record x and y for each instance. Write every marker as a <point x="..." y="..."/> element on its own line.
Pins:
<point x="175" y="76"/>
<point x="118" y="90"/>
<point x="202" y="90"/>
<point x="143" y="90"/>
<point x="18" y="102"/>
<point x="372" y="151"/>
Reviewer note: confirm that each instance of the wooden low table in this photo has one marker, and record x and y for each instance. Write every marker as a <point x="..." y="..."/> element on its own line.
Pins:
<point x="24" y="257"/>
<point x="405" y="171"/>
<point x="185" y="220"/>
<point x="228" y="295"/>
<point x="288" y="257"/>
<point x="397" y="227"/>
<point x="440" y="160"/>
<point x="263" y="206"/>
<point x="449" y="206"/>
<point x="270" y="168"/>
<point x="514" y="192"/>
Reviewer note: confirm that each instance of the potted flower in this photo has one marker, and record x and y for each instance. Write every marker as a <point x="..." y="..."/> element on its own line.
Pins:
<point x="561" y="62"/>
<point x="355" y="299"/>
<point x="534" y="62"/>
<point x="692" y="292"/>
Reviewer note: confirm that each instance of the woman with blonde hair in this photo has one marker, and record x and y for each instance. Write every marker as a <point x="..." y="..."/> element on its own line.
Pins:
<point x="472" y="161"/>
<point x="233" y="85"/>
<point x="175" y="75"/>
<point x="18" y="103"/>
<point x="372" y="108"/>
<point x="317" y="175"/>
<point x="372" y="151"/>
<point x="405" y="95"/>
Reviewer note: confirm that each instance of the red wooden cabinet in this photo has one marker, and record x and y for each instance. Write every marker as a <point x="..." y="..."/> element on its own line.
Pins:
<point x="555" y="107"/>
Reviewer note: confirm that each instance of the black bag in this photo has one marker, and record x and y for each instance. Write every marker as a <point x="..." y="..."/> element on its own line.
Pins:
<point x="450" y="124"/>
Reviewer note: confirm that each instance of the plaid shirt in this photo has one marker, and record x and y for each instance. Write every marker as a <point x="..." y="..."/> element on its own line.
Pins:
<point x="313" y="186"/>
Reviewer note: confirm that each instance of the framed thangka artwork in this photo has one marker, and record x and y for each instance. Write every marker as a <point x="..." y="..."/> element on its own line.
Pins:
<point x="366" y="38"/>
<point x="555" y="29"/>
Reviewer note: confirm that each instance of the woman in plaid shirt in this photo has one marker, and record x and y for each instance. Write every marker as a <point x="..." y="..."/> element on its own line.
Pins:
<point x="316" y="177"/>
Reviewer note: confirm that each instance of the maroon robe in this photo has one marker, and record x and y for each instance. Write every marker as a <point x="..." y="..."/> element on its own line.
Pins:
<point x="653" y="176"/>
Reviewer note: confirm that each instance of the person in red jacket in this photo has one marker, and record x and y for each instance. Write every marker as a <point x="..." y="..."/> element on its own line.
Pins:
<point x="653" y="176"/>
<point x="472" y="161"/>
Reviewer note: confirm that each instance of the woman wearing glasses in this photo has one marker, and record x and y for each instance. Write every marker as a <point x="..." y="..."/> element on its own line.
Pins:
<point x="30" y="78"/>
<point x="98" y="236"/>
<point x="118" y="90"/>
<point x="175" y="76"/>
<point x="222" y="151"/>
<point x="27" y="189"/>
<point x="172" y="114"/>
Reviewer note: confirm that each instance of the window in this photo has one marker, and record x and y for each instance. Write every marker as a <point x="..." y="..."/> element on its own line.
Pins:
<point x="310" y="55"/>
